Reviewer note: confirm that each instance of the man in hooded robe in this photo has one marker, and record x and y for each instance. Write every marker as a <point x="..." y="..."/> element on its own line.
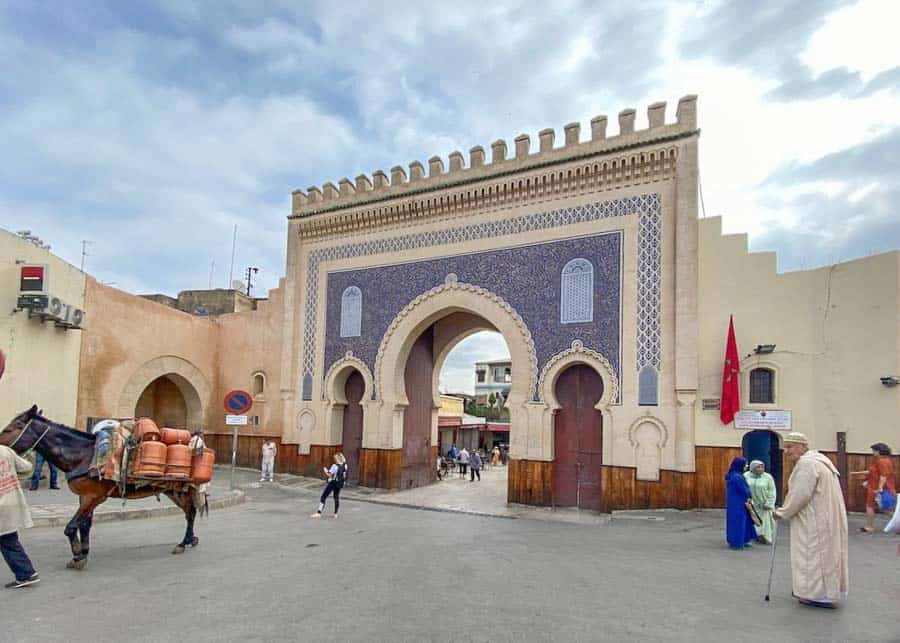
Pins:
<point x="815" y="507"/>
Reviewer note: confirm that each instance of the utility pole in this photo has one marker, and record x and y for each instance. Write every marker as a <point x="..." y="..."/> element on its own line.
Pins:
<point x="84" y="244"/>
<point x="250" y="271"/>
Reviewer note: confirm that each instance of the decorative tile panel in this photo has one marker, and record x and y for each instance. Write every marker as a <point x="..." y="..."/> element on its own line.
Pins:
<point x="646" y="207"/>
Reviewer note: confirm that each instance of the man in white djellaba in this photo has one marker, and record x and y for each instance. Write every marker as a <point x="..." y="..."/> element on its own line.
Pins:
<point x="815" y="507"/>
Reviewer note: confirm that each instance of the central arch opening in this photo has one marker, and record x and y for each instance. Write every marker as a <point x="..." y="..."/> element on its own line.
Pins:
<point x="458" y="379"/>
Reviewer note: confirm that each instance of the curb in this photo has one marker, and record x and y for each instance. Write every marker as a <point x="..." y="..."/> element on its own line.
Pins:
<point x="235" y="497"/>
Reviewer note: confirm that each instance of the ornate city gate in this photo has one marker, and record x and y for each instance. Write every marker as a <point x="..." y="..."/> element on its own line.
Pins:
<point x="582" y="256"/>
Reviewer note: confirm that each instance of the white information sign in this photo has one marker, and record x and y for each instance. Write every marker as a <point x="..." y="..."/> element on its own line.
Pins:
<point x="236" y="420"/>
<point x="772" y="420"/>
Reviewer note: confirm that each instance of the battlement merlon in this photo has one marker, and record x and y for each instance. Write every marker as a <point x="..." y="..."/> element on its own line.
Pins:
<point x="379" y="188"/>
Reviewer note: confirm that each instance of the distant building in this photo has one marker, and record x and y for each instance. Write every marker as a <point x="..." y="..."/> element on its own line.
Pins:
<point x="492" y="377"/>
<point x="207" y="303"/>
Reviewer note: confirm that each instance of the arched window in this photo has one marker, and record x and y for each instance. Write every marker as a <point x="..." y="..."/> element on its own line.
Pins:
<point x="648" y="387"/>
<point x="351" y="312"/>
<point x="576" y="303"/>
<point x="762" y="386"/>
<point x="258" y="386"/>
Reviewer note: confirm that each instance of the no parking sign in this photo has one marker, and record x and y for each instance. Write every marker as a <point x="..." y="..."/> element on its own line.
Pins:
<point x="238" y="402"/>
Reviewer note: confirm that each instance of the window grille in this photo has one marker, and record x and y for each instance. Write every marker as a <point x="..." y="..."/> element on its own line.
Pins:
<point x="762" y="386"/>
<point x="351" y="312"/>
<point x="577" y="292"/>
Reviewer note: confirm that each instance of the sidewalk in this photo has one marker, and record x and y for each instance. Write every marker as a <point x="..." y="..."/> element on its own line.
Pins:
<point x="52" y="508"/>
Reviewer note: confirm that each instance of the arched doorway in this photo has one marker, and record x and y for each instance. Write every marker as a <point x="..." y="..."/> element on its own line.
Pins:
<point x="351" y="440"/>
<point x="577" y="439"/>
<point x="163" y="400"/>
<point x="764" y="446"/>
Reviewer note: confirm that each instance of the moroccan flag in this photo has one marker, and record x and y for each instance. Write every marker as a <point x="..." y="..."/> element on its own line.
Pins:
<point x="731" y="393"/>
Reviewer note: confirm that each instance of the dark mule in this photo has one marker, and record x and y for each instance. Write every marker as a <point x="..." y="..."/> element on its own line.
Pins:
<point x="71" y="451"/>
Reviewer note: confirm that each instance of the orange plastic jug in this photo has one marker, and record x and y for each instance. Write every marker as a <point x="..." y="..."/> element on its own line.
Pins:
<point x="175" y="436"/>
<point x="146" y="430"/>
<point x="178" y="461"/>
<point x="150" y="460"/>
<point x="202" y="466"/>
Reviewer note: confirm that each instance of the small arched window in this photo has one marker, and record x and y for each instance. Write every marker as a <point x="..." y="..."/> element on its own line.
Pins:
<point x="762" y="386"/>
<point x="258" y="386"/>
<point x="351" y="312"/>
<point x="576" y="303"/>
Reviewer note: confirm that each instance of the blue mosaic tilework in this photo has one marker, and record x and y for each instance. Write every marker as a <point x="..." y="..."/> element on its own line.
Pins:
<point x="645" y="206"/>
<point x="527" y="277"/>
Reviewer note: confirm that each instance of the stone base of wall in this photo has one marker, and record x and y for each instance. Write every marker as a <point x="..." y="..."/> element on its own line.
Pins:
<point x="531" y="481"/>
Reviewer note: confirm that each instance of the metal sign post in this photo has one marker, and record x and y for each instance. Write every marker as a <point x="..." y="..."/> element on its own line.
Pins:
<point x="236" y="402"/>
<point x="234" y="445"/>
<point x="235" y="421"/>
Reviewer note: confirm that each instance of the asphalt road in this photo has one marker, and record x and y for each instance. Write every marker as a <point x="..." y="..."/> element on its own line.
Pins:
<point x="264" y="571"/>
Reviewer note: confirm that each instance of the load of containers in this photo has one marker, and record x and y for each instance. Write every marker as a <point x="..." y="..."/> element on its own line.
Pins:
<point x="165" y="454"/>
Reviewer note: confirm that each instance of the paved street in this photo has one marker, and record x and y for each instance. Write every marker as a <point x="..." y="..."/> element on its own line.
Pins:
<point x="266" y="572"/>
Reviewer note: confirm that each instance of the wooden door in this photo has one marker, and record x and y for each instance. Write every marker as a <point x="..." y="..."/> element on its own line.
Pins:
<point x="578" y="439"/>
<point x="417" y="468"/>
<point x="351" y="442"/>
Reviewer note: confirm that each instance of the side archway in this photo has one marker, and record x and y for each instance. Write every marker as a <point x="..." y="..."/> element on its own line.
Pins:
<point x="578" y="354"/>
<point x="191" y="382"/>
<point x="336" y="396"/>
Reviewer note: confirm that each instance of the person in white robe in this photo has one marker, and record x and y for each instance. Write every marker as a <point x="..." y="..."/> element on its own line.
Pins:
<point x="815" y="508"/>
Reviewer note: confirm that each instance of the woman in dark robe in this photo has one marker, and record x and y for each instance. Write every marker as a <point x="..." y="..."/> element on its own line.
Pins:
<point x="739" y="530"/>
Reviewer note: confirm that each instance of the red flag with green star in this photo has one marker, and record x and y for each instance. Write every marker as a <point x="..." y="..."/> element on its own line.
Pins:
<point x="731" y="393"/>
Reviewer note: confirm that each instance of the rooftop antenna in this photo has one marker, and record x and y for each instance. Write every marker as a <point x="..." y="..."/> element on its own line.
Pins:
<point x="231" y="270"/>
<point x="212" y="267"/>
<point x="84" y="253"/>
<point x="251" y="270"/>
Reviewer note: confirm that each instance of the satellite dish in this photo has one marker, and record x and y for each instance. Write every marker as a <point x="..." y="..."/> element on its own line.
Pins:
<point x="237" y="284"/>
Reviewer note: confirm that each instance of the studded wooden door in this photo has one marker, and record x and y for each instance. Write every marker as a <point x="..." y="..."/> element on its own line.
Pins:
<point x="417" y="468"/>
<point x="351" y="442"/>
<point x="577" y="439"/>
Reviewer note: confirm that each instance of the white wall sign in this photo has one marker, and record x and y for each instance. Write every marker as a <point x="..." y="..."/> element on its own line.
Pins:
<point x="236" y="420"/>
<point x="772" y="420"/>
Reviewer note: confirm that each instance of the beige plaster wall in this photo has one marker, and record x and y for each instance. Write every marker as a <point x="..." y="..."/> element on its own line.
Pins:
<point x="836" y="330"/>
<point x="451" y="406"/>
<point x="41" y="360"/>
<point x="129" y="342"/>
<point x="249" y="343"/>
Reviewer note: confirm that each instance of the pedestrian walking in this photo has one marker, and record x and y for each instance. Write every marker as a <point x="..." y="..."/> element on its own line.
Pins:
<point x="14" y="516"/>
<point x="453" y="453"/>
<point x="495" y="456"/>
<point x="337" y="475"/>
<point x="815" y="507"/>
<point x="475" y="466"/>
<point x="762" y="496"/>
<point x="36" y="473"/>
<point x="269" y="451"/>
<point x="879" y="478"/>
<point x="463" y="462"/>
<point x="739" y="529"/>
<point x="440" y="463"/>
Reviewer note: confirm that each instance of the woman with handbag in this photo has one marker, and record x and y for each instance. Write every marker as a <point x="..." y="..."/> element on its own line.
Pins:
<point x="879" y="481"/>
<point x="762" y="498"/>
<point x="739" y="529"/>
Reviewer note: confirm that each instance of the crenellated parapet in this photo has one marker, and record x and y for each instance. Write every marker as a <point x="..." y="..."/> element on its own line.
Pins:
<point x="522" y="157"/>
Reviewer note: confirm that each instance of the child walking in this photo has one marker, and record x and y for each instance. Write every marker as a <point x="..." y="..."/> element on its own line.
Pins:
<point x="337" y="475"/>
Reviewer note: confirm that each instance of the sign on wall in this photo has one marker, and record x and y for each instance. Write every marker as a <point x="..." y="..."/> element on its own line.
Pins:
<point x="235" y="420"/>
<point x="772" y="420"/>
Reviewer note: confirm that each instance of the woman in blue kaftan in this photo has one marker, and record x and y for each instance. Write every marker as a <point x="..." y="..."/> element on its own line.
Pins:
<point x="739" y="530"/>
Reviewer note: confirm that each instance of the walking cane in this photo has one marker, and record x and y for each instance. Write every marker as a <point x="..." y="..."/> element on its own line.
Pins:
<point x="772" y="564"/>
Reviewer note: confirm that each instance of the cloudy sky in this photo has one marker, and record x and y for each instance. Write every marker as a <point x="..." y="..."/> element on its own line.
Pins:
<point x="152" y="128"/>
